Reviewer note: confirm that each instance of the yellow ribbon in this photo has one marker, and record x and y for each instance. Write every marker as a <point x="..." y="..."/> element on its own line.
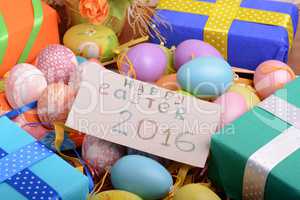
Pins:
<point x="221" y="15"/>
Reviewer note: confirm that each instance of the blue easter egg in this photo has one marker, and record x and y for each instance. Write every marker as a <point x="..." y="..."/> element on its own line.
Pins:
<point x="142" y="176"/>
<point x="80" y="59"/>
<point x="205" y="77"/>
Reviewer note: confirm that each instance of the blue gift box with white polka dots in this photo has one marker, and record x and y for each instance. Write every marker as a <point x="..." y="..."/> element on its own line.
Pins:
<point x="28" y="170"/>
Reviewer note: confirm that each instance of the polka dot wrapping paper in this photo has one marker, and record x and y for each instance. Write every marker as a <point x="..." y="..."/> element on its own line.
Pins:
<point x="267" y="140"/>
<point x="29" y="170"/>
<point x="246" y="32"/>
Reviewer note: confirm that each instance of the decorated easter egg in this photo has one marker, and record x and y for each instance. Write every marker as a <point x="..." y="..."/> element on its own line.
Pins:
<point x="170" y="61"/>
<point x="233" y="105"/>
<point x="195" y="192"/>
<point x="142" y="176"/>
<point x="92" y="41"/>
<point x="168" y="82"/>
<point x="147" y="60"/>
<point x="25" y="84"/>
<point x="205" y="77"/>
<point x="271" y="76"/>
<point x="115" y="195"/>
<point x="55" y="103"/>
<point x="80" y="59"/>
<point x="101" y="154"/>
<point x="57" y="63"/>
<point x="247" y="92"/>
<point x="192" y="48"/>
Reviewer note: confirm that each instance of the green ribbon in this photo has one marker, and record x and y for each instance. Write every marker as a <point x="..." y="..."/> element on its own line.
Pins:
<point x="3" y="38"/>
<point x="38" y="21"/>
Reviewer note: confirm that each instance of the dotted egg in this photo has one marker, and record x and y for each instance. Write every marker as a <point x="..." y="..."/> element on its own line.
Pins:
<point x="57" y="63"/>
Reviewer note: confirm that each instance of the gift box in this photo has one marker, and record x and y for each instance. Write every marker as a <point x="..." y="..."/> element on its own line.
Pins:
<point x="26" y="27"/>
<point x="245" y="32"/>
<point x="258" y="155"/>
<point x="28" y="170"/>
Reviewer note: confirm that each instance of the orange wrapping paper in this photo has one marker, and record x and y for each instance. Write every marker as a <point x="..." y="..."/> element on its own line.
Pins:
<point x="18" y="16"/>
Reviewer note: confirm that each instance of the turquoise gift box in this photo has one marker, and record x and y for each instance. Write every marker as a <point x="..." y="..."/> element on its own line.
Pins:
<point x="258" y="155"/>
<point x="28" y="170"/>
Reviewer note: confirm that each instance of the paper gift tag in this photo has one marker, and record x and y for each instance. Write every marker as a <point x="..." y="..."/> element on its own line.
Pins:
<point x="143" y="116"/>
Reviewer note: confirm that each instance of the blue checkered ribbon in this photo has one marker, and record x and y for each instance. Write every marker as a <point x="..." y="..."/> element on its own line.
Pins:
<point x="14" y="171"/>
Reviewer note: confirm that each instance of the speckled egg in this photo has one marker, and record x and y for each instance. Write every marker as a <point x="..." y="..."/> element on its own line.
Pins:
<point x="247" y="92"/>
<point x="195" y="192"/>
<point x="115" y="195"/>
<point x="233" y="105"/>
<point x="92" y="41"/>
<point x="205" y="77"/>
<point x="55" y="103"/>
<point x="148" y="61"/>
<point x="191" y="49"/>
<point x="271" y="76"/>
<point x="142" y="176"/>
<point x="57" y="62"/>
<point x="101" y="154"/>
<point x="25" y="84"/>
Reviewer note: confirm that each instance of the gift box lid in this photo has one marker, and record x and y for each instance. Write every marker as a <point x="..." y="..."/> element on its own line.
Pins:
<point x="69" y="183"/>
<point x="249" y="44"/>
<point x="232" y="147"/>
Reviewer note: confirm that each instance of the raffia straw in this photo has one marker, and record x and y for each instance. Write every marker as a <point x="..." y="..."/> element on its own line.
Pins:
<point x="141" y="20"/>
<point x="123" y="59"/>
<point x="98" y="187"/>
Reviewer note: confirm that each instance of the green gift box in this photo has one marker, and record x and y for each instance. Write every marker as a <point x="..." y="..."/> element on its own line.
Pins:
<point x="258" y="155"/>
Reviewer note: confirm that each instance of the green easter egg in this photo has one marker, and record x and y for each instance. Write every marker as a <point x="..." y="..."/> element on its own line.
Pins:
<point x="115" y="195"/>
<point x="195" y="192"/>
<point x="92" y="41"/>
<point x="170" y="65"/>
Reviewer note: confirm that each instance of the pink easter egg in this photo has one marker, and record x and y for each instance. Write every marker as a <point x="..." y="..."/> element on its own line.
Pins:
<point x="57" y="62"/>
<point x="192" y="48"/>
<point x="233" y="105"/>
<point x="147" y="60"/>
<point x="55" y="103"/>
<point x="24" y="85"/>
<point x="271" y="76"/>
<point x="101" y="154"/>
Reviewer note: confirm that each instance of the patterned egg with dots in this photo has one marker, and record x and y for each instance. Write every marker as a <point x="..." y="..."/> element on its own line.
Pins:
<point x="57" y="62"/>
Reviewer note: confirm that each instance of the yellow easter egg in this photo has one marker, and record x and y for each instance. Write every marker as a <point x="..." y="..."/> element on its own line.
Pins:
<point x="247" y="92"/>
<point x="92" y="41"/>
<point x="195" y="192"/>
<point x="115" y="195"/>
<point x="170" y="65"/>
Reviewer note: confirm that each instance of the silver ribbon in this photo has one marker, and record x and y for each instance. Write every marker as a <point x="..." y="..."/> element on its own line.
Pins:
<point x="261" y="163"/>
